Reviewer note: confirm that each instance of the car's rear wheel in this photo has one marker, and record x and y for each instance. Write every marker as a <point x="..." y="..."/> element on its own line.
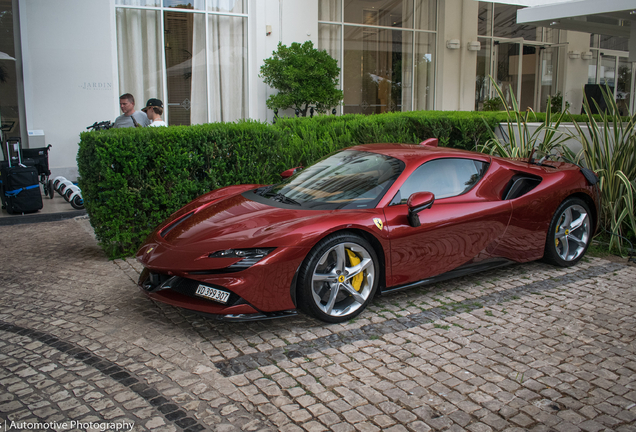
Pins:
<point x="570" y="233"/>
<point x="338" y="278"/>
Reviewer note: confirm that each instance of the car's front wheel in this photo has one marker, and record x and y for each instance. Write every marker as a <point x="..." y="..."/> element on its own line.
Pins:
<point x="338" y="278"/>
<point x="570" y="233"/>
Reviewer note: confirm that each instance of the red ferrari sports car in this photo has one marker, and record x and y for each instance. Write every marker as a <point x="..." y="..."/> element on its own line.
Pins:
<point x="371" y="218"/>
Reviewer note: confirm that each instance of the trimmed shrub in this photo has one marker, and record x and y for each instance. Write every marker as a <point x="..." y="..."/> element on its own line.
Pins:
<point x="132" y="179"/>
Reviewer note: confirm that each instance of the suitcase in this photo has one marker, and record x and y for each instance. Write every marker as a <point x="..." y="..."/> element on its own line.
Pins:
<point x="21" y="189"/>
<point x="20" y="185"/>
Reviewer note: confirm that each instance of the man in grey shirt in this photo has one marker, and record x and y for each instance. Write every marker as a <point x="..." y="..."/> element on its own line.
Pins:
<point x="130" y="117"/>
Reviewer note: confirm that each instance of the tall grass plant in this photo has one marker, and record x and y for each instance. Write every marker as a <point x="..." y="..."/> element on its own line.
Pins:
<point x="520" y="142"/>
<point x="609" y="149"/>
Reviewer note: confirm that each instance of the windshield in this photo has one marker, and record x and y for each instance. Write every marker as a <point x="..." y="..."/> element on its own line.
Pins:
<point x="344" y="180"/>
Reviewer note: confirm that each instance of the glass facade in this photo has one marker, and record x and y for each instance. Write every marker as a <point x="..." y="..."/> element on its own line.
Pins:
<point x="610" y="66"/>
<point x="505" y="23"/>
<point x="611" y="42"/>
<point x="386" y="52"/>
<point x="520" y="58"/>
<point x="193" y="56"/>
<point x="482" y="80"/>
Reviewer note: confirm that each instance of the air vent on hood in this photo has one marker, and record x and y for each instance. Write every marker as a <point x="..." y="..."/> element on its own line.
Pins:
<point x="166" y="230"/>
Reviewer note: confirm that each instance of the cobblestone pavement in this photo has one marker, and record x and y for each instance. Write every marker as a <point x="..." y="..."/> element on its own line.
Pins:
<point x="526" y="347"/>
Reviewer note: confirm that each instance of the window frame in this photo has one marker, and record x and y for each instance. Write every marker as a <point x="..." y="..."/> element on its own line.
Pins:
<point x="207" y="13"/>
<point x="412" y="30"/>
<point x="486" y="166"/>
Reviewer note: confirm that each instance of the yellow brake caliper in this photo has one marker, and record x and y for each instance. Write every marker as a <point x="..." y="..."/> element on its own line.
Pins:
<point x="356" y="281"/>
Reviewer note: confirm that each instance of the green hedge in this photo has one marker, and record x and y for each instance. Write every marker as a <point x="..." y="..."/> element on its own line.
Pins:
<point x="132" y="179"/>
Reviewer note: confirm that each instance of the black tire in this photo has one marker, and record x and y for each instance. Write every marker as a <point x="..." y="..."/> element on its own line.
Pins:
<point x="67" y="193"/>
<point x="330" y="266"/>
<point x="50" y="190"/>
<point x="77" y="202"/>
<point x="570" y="233"/>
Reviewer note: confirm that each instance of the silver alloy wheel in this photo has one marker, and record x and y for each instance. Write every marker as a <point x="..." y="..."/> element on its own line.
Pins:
<point x="572" y="233"/>
<point x="332" y="285"/>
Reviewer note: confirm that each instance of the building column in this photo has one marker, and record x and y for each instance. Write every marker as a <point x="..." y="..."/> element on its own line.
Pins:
<point x="456" y="68"/>
<point x="574" y="71"/>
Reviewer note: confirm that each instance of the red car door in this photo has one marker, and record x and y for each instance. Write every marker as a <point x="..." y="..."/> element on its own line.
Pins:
<point x="464" y="224"/>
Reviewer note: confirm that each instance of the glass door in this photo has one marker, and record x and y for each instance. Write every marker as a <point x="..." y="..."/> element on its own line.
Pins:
<point x="506" y="68"/>
<point x="624" y="86"/>
<point x="616" y="72"/>
<point x="528" y="70"/>
<point x="607" y="73"/>
<point x="484" y="70"/>
<point x="375" y="60"/>
<point x="546" y="77"/>
<point x="185" y="66"/>
<point x="529" y="66"/>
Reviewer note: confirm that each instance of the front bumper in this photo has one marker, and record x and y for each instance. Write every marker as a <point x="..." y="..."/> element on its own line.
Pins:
<point x="262" y="291"/>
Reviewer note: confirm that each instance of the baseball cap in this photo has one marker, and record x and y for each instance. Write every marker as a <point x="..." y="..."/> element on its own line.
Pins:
<point x="153" y="102"/>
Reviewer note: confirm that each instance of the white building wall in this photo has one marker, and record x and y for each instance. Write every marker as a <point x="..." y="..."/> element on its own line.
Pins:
<point x="262" y="13"/>
<point x="456" y="68"/>
<point x="291" y="21"/>
<point x="299" y="21"/>
<point x="69" y="72"/>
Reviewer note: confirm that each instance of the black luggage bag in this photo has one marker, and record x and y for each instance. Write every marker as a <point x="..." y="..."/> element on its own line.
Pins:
<point x="21" y="189"/>
<point x="20" y="185"/>
<point x="40" y="158"/>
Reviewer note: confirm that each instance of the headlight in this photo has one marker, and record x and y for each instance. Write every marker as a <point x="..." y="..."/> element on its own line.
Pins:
<point x="249" y="257"/>
<point x="241" y="253"/>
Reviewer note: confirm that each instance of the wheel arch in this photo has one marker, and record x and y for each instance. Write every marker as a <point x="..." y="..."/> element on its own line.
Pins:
<point x="379" y="251"/>
<point x="377" y="248"/>
<point x="551" y="253"/>
<point x="591" y="204"/>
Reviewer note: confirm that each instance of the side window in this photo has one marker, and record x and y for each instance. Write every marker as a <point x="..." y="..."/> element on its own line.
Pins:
<point x="443" y="177"/>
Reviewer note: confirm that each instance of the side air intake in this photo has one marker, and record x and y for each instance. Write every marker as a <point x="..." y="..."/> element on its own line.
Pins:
<point x="519" y="185"/>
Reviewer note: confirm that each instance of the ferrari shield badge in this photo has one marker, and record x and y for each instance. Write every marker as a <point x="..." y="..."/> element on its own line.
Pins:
<point x="378" y="223"/>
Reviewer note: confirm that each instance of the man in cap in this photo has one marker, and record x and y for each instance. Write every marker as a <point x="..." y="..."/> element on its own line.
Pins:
<point x="154" y="110"/>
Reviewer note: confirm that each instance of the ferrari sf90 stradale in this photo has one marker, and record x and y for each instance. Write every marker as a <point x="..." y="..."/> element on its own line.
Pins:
<point x="378" y="217"/>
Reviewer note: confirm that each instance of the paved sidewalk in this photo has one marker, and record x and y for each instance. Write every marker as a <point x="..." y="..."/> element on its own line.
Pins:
<point x="527" y="347"/>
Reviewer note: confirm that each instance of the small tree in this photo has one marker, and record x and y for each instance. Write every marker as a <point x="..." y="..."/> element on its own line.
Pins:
<point x="303" y="76"/>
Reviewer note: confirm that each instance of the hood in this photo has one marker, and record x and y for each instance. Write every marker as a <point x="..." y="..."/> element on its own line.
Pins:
<point x="233" y="222"/>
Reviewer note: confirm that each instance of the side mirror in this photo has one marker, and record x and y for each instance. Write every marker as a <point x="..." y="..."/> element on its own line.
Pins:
<point x="416" y="203"/>
<point x="290" y="172"/>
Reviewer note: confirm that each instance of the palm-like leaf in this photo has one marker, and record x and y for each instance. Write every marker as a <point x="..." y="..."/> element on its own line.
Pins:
<point x="609" y="150"/>
<point x="521" y="143"/>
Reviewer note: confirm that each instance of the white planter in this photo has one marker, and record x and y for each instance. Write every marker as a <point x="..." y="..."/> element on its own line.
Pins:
<point x="568" y="129"/>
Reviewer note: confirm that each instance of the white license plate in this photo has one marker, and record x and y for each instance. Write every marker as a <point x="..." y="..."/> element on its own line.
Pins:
<point x="212" y="294"/>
